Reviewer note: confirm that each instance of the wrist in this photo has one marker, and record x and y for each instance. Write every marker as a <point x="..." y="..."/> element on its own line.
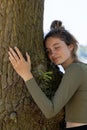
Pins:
<point x="28" y="77"/>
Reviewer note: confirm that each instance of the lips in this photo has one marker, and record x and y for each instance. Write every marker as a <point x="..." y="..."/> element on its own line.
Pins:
<point x="56" y="59"/>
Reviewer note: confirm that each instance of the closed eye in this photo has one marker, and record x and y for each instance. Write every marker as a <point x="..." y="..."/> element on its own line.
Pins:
<point x="57" y="47"/>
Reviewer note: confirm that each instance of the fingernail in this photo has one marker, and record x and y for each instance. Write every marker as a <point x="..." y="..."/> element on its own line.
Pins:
<point x="27" y="53"/>
<point x="9" y="47"/>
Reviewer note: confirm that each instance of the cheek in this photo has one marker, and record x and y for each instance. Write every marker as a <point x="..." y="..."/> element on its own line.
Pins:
<point x="50" y="57"/>
<point x="67" y="54"/>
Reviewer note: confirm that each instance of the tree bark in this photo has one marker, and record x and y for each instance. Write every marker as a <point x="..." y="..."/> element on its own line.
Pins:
<point x="21" y="25"/>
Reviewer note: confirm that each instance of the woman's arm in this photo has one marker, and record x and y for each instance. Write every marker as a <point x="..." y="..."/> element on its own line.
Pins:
<point x="68" y="86"/>
<point x="71" y="81"/>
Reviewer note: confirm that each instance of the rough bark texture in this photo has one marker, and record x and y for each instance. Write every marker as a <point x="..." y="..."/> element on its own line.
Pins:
<point x="21" y="25"/>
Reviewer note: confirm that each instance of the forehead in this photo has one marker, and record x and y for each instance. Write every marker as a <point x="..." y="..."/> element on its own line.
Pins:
<point x="53" y="42"/>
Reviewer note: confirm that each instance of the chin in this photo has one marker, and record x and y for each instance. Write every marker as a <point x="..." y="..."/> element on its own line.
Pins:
<point x="57" y="63"/>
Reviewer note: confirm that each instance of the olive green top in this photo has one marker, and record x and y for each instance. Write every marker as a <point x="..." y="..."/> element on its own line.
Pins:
<point x="71" y="93"/>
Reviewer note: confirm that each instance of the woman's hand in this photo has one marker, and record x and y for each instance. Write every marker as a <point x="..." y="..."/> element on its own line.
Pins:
<point x="21" y="66"/>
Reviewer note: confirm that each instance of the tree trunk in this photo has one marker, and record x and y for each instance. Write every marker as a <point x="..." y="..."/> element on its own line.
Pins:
<point x="21" y="25"/>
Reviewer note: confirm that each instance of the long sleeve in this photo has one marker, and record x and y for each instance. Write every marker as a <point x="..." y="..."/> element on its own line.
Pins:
<point x="71" y="81"/>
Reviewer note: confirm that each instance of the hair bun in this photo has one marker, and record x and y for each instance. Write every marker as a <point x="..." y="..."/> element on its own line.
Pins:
<point x="56" y="24"/>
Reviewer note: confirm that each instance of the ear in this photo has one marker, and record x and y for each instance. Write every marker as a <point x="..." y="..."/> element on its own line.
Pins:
<point x="71" y="47"/>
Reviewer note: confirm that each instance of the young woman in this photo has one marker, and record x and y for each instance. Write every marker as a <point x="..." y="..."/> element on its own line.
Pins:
<point x="60" y="47"/>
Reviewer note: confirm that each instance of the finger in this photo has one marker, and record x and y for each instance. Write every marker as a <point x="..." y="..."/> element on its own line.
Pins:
<point x="12" y="59"/>
<point x="28" y="57"/>
<point x="13" y="54"/>
<point x="19" y="53"/>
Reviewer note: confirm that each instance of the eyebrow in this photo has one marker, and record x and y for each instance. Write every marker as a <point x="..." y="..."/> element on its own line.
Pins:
<point x="57" y="43"/>
<point x="54" y="45"/>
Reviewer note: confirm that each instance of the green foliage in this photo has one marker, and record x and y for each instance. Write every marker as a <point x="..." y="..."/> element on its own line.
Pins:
<point x="45" y="76"/>
<point x="49" y="81"/>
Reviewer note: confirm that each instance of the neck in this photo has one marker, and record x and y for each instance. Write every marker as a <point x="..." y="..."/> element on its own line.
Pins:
<point x="68" y="62"/>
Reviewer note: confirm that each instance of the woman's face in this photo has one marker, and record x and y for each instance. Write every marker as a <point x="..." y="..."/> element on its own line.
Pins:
<point x="58" y="52"/>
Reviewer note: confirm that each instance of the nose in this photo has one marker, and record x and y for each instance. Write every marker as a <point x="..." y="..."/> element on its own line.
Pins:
<point x="52" y="52"/>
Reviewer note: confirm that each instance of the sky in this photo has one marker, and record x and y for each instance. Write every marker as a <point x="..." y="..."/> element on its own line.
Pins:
<point x="72" y="13"/>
